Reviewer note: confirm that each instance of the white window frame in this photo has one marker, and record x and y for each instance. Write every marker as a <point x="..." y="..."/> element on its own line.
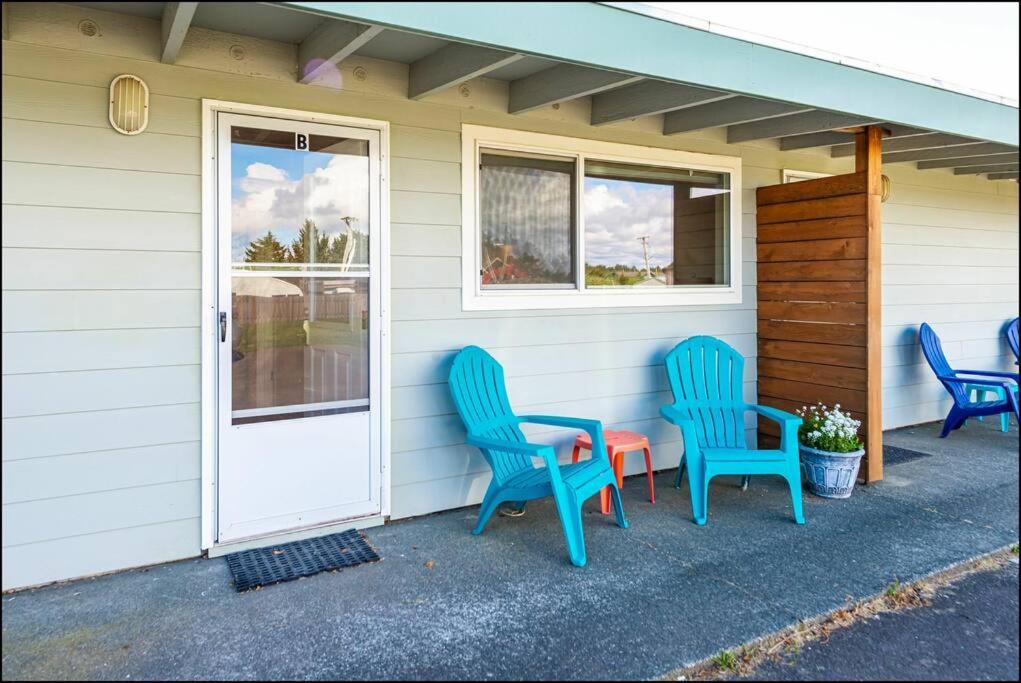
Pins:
<point x="474" y="298"/>
<point x="791" y="175"/>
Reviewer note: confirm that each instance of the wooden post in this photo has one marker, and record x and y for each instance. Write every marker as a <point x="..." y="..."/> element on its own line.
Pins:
<point x="868" y="159"/>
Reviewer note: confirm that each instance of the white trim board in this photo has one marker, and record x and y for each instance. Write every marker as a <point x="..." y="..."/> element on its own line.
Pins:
<point x="209" y="328"/>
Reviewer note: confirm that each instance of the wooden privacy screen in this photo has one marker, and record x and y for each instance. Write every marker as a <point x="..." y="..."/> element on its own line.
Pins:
<point x="819" y="296"/>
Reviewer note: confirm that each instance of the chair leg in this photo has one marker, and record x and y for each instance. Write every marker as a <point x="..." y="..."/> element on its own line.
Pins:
<point x="489" y="504"/>
<point x="952" y="421"/>
<point x="617" y="460"/>
<point x="1004" y="422"/>
<point x="618" y="507"/>
<point x="575" y="454"/>
<point x="794" y="483"/>
<point x="745" y="480"/>
<point x="680" y="471"/>
<point x="569" y="509"/>
<point x="648" y="473"/>
<point x="698" y="488"/>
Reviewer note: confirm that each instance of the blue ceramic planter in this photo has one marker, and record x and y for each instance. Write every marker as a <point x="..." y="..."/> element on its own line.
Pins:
<point x="830" y="475"/>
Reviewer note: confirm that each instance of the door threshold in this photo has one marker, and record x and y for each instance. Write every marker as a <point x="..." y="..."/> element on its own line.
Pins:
<point x="221" y="549"/>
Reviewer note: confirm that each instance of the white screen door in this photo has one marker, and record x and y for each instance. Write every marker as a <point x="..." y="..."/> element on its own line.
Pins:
<point x="298" y="295"/>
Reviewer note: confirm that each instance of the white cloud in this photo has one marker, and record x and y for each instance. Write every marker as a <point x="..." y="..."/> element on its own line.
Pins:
<point x="618" y="213"/>
<point x="271" y="200"/>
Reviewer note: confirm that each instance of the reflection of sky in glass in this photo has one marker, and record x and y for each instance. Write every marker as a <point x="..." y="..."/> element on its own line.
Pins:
<point x="276" y="189"/>
<point x="618" y="213"/>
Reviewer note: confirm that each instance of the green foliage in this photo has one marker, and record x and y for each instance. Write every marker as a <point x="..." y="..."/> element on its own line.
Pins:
<point x="266" y="249"/>
<point x="725" y="659"/>
<point x="829" y="430"/>
<point x="893" y="588"/>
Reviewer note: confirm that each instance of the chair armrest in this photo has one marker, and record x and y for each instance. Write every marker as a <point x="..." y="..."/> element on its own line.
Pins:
<point x="537" y="450"/>
<point x="594" y="428"/>
<point x="989" y="373"/>
<point x="781" y="417"/>
<point x="789" y="424"/>
<point x="687" y="426"/>
<point x="978" y="382"/>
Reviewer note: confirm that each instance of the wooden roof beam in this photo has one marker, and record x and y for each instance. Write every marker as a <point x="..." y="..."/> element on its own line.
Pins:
<point x="452" y="65"/>
<point x="955" y="152"/>
<point x="726" y="112"/>
<point x="990" y="168"/>
<point x="330" y="44"/>
<point x="795" y="124"/>
<point x="969" y="161"/>
<point x="647" y="98"/>
<point x="562" y="83"/>
<point x="174" y="25"/>
<point x="908" y="143"/>
<point x="1002" y="176"/>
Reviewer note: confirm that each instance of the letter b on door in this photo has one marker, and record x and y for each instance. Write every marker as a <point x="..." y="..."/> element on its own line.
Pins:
<point x="301" y="142"/>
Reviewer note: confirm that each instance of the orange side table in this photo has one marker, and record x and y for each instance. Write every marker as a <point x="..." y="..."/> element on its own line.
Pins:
<point x="617" y="444"/>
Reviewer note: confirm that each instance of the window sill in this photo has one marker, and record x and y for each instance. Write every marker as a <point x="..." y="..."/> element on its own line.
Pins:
<point x="558" y="300"/>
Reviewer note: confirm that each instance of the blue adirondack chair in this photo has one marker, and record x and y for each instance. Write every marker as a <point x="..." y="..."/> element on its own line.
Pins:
<point x="1012" y="337"/>
<point x="958" y="383"/>
<point x="706" y="377"/>
<point x="477" y="385"/>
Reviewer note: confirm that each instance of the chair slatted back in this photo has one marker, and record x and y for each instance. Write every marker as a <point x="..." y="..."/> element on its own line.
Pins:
<point x="932" y="349"/>
<point x="477" y="385"/>
<point x="1012" y="336"/>
<point x="706" y="377"/>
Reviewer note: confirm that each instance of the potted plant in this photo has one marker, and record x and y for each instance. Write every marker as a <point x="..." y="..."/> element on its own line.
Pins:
<point x="830" y="450"/>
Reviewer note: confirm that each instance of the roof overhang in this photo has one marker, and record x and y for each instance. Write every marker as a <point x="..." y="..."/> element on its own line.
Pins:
<point x="604" y="37"/>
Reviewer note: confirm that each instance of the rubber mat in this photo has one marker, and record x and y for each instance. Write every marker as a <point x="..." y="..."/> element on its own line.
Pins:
<point x="894" y="455"/>
<point x="294" y="560"/>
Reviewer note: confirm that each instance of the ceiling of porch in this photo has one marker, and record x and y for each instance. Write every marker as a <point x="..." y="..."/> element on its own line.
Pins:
<point x="436" y="64"/>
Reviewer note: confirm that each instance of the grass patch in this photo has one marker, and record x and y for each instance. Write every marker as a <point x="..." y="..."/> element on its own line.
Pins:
<point x="787" y="643"/>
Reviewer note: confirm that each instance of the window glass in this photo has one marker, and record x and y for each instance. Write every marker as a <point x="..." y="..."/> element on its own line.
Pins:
<point x="648" y="226"/>
<point x="526" y="219"/>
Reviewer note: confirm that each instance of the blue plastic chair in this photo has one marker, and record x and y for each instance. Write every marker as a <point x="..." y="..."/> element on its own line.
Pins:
<point x="957" y="383"/>
<point x="706" y="377"/>
<point x="1012" y="337"/>
<point x="477" y="385"/>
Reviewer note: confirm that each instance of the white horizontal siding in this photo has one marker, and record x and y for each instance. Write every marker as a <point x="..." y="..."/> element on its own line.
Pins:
<point x="950" y="258"/>
<point x="101" y="278"/>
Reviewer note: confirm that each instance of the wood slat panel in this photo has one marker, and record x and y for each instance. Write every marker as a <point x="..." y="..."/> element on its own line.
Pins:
<point x="793" y="406"/>
<point x="843" y="313"/>
<point x="851" y="270"/>
<point x="812" y="291"/>
<point x="813" y="373"/>
<point x="812" y="209"/>
<point x="813" y="250"/>
<point x="817" y="188"/>
<point x="810" y="393"/>
<point x="821" y="229"/>
<point x="828" y="354"/>
<point x="821" y="333"/>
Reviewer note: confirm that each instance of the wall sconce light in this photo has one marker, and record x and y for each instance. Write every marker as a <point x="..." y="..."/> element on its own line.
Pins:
<point x="129" y="104"/>
<point x="885" y="185"/>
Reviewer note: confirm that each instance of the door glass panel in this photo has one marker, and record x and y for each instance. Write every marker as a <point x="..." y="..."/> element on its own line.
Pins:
<point x="298" y="201"/>
<point x="299" y="286"/>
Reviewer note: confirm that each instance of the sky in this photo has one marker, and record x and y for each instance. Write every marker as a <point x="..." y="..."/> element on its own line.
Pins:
<point x="971" y="44"/>
<point x="277" y="189"/>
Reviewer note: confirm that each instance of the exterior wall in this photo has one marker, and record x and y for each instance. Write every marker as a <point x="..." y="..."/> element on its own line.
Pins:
<point x="101" y="278"/>
<point x="950" y="258"/>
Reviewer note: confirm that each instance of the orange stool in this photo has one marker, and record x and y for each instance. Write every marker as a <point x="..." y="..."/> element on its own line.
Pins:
<point x="617" y="444"/>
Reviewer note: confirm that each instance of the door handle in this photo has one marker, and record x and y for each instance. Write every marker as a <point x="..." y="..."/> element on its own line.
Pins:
<point x="223" y="326"/>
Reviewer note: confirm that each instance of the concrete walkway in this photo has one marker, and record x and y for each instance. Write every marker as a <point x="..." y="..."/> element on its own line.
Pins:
<point x="653" y="598"/>
<point x="968" y="633"/>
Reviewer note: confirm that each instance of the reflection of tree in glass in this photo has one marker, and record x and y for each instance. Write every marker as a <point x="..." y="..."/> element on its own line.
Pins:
<point x="311" y="246"/>
<point x="266" y="249"/>
<point x="620" y="275"/>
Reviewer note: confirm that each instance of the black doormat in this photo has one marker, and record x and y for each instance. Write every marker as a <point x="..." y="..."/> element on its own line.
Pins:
<point x="289" y="561"/>
<point x="894" y="455"/>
